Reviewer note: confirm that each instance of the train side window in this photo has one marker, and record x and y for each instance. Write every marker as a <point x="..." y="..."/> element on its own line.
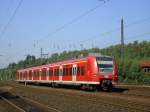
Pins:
<point x="50" y="72"/>
<point x="54" y="72"/>
<point x="82" y="70"/>
<point x="78" y="71"/>
<point x="37" y="73"/>
<point x="70" y="72"/>
<point x="24" y="75"/>
<point x="30" y="74"/>
<point x="19" y="75"/>
<point x="66" y="71"/>
<point x="57" y="72"/>
<point x="44" y="72"/>
<point x="47" y="72"/>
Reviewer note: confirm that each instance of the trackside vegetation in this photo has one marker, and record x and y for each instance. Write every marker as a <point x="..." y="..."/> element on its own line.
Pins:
<point x="130" y="70"/>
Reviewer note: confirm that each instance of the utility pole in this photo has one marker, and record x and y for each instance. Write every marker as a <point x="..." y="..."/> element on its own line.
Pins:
<point x="41" y="52"/>
<point x="43" y="55"/>
<point x="81" y="45"/>
<point x="122" y="46"/>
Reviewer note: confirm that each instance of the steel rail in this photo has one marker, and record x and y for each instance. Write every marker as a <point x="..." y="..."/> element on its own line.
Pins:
<point x="12" y="104"/>
<point x="40" y="104"/>
<point x="129" y="106"/>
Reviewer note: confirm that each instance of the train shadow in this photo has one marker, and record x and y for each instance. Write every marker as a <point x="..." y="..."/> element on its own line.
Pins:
<point x="75" y="87"/>
<point x="8" y="95"/>
<point x="119" y="90"/>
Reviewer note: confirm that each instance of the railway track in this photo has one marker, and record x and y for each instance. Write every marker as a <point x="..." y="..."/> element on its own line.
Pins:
<point x="128" y="105"/>
<point x="132" y="106"/>
<point x="15" y="107"/>
<point x="116" y="104"/>
<point x="116" y="90"/>
<point x="23" y="104"/>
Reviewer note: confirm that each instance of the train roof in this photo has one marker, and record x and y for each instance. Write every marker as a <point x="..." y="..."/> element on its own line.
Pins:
<point x="54" y="64"/>
<point x="78" y="58"/>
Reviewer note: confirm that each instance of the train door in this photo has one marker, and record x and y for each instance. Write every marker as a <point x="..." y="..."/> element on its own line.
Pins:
<point x="40" y="74"/>
<point x="27" y="75"/>
<point x="32" y="74"/>
<point x="47" y="74"/>
<point x="60" y="73"/>
<point x="74" y="72"/>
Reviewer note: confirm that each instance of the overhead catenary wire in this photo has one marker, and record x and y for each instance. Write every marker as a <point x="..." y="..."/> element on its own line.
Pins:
<point x="116" y="29"/>
<point x="113" y="30"/>
<point x="129" y="38"/>
<point x="10" y="19"/>
<point x="73" y="20"/>
<point x="102" y="34"/>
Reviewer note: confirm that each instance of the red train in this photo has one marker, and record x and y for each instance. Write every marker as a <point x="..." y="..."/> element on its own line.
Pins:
<point x="93" y="71"/>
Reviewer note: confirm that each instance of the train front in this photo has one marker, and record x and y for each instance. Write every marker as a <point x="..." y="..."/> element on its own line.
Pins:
<point x="107" y="70"/>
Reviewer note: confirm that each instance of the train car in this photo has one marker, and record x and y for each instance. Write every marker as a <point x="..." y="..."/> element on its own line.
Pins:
<point x="92" y="71"/>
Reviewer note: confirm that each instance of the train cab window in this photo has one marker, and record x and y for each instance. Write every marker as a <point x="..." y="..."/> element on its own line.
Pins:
<point x="70" y="71"/>
<point x="82" y="70"/>
<point x="78" y="71"/>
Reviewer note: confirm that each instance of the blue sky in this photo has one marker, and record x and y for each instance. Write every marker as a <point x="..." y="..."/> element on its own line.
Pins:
<point x="36" y="20"/>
